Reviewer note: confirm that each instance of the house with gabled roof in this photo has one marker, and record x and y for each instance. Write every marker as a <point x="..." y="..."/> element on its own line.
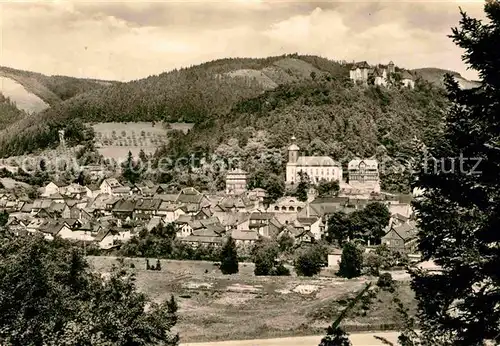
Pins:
<point x="146" y="208"/>
<point x="314" y="225"/>
<point x="244" y="238"/>
<point x="52" y="188"/>
<point x="407" y="79"/>
<point x="204" y="237"/>
<point x="123" y="209"/>
<point x="170" y="211"/>
<point x="402" y="238"/>
<point x="265" y="224"/>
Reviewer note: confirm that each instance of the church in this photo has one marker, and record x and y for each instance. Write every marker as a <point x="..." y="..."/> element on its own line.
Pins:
<point x="317" y="168"/>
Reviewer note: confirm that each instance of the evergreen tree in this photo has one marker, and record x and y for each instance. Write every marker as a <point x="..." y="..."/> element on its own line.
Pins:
<point x="459" y="212"/>
<point x="131" y="170"/>
<point x="4" y="218"/>
<point x="229" y="258"/>
<point x="142" y="156"/>
<point x="302" y="187"/>
<point x="351" y="261"/>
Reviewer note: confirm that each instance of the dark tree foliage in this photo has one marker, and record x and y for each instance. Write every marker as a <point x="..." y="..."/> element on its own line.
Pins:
<point x="272" y="183"/>
<point x="49" y="296"/>
<point x="327" y="188"/>
<point x="229" y="257"/>
<point x="302" y="187"/>
<point x="264" y="256"/>
<point x="9" y="113"/>
<point x="339" y="228"/>
<point x="131" y="169"/>
<point x="351" y="261"/>
<point x="310" y="261"/>
<point x="459" y="212"/>
<point x="4" y="218"/>
<point x="366" y="224"/>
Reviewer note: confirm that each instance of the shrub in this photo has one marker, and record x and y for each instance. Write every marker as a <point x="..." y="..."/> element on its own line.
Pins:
<point x="280" y="270"/>
<point x="229" y="258"/>
<point x="351" y="261"/>
<point x="385" y="281"/>
<point x="309" y="262"/>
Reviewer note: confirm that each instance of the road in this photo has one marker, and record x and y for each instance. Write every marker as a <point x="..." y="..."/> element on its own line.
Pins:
<point x="357" y="339"/>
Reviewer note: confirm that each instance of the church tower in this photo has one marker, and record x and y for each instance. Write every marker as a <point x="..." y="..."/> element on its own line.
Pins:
<point x="293" y="152"/>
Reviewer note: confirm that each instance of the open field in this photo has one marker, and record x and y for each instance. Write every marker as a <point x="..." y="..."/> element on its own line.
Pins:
<point x="215" y="307"/>
<point x="115" y="140"/>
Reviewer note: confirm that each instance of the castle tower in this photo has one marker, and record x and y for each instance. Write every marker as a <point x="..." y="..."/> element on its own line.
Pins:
<point x="390" y="68"/>
<point x="293" y="152"/>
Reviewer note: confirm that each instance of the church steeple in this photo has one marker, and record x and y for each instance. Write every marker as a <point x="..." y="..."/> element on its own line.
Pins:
<point x="293" y="152"/>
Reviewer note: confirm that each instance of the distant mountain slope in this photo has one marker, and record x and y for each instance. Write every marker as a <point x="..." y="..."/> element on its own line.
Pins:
<point x="52" y="89"/>
<point x="436" y="76"/>
<point x="21" y="98"/>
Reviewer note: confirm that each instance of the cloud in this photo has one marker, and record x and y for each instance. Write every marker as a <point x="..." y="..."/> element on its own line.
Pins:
<point x="130" y="40"/>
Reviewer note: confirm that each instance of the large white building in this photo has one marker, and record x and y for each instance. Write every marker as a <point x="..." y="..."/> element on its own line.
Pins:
<point x="317" y="168"/>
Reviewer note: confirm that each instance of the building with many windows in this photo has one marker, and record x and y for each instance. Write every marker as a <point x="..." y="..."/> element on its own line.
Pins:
<point x="317" y="168"/>
<point x="236" y="181"/>
<point x="364" y="174"/>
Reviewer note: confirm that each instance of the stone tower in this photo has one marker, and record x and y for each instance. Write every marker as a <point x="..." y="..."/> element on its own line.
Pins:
<point x="293" y="152"/>
<point x="390" y="68"/>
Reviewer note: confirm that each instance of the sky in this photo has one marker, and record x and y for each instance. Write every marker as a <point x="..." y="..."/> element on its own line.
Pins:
<point x="134" y="39"/>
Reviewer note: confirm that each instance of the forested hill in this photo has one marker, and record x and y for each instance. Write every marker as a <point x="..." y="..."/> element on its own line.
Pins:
<point x="328" y="117"/>
<point x="308" y="93"/>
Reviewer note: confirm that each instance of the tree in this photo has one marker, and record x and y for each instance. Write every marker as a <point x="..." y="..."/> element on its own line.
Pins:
<point x="302" y="187"/>
<point x="327" y="188"/>
<point x="142" y="156"/>
<point x="339" y="228"/>
<point x="131" y="170"/>
<point x="4" y="218"/>
<point x="264" y="256"/>
<point x="310" y="261"/>
<point x="285" y="242"/>
<point x="459" y="211"/>
<point x="229" y="258"/>
<point x="351" y="261"/>
<point x="50" y="296"/>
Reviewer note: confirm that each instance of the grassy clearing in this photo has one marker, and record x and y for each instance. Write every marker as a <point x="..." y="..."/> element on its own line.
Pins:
<point x="216" y="307"/>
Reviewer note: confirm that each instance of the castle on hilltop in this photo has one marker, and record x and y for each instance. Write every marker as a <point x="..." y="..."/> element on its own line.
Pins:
<point x="381" y="75"/>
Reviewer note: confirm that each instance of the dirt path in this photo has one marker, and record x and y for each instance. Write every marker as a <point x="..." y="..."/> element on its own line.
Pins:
<point x="358" y="339"/>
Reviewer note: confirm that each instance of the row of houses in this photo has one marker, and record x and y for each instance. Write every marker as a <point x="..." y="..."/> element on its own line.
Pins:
<point x="112" y="213"/>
